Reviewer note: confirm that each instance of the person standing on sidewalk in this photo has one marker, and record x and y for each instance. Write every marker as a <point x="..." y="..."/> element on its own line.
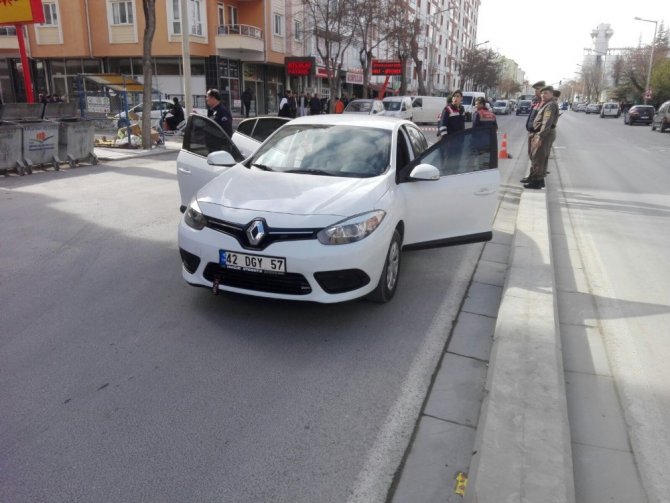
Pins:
<point x="246" y="101"/>
<point x="544" y="129"/>
<point x="537" y="101"/>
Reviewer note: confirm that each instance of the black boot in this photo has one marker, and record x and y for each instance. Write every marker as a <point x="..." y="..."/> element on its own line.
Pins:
<point x="534" y="184"/>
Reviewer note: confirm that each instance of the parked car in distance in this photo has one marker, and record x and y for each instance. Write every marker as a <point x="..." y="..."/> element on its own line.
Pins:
<point x="661" y="118"/>
<point x="564" y="105"/>
<point x="364" y="106"/>
<point x="250" y="133"/>
<point x="427" y="109"/>
<point x="593" y="108"/>
<point x="398" y="106"/>
<point x="502" y="107"/>
<point x="610" y="109"/>
<point x="305" y="219"/>
<point x="580" y="107"/>
<point x="524" y="107"/>
<point x="639" y="114"/>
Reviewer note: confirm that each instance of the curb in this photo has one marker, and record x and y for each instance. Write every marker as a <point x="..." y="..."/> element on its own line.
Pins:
<point x="522" y="447"/>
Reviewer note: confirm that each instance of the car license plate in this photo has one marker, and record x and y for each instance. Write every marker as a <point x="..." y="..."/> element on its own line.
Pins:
<point x="251" y="263"/>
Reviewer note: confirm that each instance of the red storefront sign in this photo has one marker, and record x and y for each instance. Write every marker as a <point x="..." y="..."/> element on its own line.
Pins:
<point x="386" y="67"/>
<point x="299" y="67"/>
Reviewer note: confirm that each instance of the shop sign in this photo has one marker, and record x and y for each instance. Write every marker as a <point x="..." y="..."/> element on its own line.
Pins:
<point x="386" y="67"/>
<point x="354" y="78"/>
<point x="299" y="67"/>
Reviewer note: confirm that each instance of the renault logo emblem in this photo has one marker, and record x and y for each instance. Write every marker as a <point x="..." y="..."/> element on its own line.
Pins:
<point x="256" y="231"/>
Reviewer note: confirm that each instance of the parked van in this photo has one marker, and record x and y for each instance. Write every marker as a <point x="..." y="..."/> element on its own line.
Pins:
<point x="468" y="103"/>
<point x="427" y="109"/>
<point x="398" y="106"/>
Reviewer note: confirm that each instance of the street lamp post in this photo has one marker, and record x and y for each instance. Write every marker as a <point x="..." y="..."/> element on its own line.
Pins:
<point x="647" y="92"/>
<point x="431" y="65"/>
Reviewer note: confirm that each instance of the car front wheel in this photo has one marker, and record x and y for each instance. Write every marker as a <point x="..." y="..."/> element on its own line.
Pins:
<point x="388" y="280"/>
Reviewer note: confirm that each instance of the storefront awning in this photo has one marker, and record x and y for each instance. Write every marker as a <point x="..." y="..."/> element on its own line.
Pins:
<point x="116" y="81"/>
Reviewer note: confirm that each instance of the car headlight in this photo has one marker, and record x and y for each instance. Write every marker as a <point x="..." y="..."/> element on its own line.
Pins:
<point x="193" y="217"/>
<point x="352" y="229"/>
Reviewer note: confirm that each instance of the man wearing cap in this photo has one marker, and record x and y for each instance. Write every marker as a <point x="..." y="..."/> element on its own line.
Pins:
<point x="544" y="134"/>
<point x="537" y="101"/>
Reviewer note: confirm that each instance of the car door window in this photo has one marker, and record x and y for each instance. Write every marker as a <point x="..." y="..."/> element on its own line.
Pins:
<point x="203" y="136"/>
<point x="246" y="127"/>
<point x="266" y="126"/>
<point x="417" y="102"/>
<point x="467" y="151"/>
<point x="402" y="155"/>
<point x="418" y="140"/>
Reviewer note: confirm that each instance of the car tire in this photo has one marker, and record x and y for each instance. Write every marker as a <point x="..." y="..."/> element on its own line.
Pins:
<point x="388" y="281"/>
<point x="653" y="128"/>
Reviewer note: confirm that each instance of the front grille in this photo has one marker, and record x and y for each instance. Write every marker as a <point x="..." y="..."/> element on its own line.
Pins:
<point x="273" y="234"/>
<point x="288" y="283"/>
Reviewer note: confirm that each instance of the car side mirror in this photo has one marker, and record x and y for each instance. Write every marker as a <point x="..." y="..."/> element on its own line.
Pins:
<point x="220" y="158"/>
<point x="425" y="172"/>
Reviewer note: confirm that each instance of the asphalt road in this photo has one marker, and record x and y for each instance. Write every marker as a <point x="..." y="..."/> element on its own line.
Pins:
<point x="615" y="195"/>
<point x="119" y="382"/>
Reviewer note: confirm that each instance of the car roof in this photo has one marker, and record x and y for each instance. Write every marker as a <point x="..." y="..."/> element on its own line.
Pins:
<point x="374" y="121"/>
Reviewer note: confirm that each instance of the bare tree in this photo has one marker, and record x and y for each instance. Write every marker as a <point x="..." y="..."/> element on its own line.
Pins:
<point x="372" y="29"/>
<point x="149" y="7"/>
<point x="334" y="32"/>
<point x="482" y="67"/>
<point x="509" y="86"/>
<point x="403" y="34"/>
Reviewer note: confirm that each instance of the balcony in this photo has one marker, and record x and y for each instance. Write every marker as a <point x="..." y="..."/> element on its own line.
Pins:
<point x="240" y="41"/>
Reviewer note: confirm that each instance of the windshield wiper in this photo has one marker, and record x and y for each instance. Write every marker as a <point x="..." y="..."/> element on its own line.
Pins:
<point x="311" y="172"/>
<point x="263" y="167"/>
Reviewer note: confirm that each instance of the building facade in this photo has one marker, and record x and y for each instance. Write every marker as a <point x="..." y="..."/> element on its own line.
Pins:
<point x="234" y="45"/>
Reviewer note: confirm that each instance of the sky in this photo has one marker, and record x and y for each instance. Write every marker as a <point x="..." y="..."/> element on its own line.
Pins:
<point x="547" y="40"/>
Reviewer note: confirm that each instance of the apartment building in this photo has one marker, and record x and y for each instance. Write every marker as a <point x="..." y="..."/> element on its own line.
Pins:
<point x="233" y="45"/>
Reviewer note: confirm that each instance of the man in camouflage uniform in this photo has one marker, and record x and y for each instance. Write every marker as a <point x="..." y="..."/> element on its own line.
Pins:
<point x="537" y="101"/>
<point x="544" y="134"/>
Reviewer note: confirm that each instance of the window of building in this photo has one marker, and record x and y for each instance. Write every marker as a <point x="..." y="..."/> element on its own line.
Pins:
<point x="278" y="25"/>
<point x="221" y="13"/>
<point x="50" y="14"/>
<point x="232" y="15"/>
<point x="7" y="31"/>
<point x="122" y="12"/>
<point x="297" y="30"/>
<point x="195" y="17"/>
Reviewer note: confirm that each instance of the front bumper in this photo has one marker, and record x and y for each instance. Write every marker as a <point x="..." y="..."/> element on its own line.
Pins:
<point x="314" y="272"/>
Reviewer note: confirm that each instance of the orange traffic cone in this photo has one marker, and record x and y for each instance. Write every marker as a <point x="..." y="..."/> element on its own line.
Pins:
<point x="503" y="148"/>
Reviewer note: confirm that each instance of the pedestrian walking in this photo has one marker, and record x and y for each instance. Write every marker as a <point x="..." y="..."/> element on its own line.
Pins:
<point x="544" y="134"/>
<point x="339" y="106"/>
<point x="303" y="104"/>
<point x="315" y="106"/>
<point x="246" y="101"/>
<point x="292" y="105"/>
<point x="285" y="105"/>
<point x="218" y="112"/>
<point x="453" y="115"/>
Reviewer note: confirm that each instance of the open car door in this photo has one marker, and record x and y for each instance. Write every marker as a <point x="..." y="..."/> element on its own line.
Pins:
<point x="458" y="207"/>
<point x="202" y="136"/>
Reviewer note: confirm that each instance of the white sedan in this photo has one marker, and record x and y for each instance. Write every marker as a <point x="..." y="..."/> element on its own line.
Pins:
<point x="321" y="211"/>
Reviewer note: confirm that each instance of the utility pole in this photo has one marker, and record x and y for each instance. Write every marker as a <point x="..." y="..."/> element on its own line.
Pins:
<point x="186" y="56"/>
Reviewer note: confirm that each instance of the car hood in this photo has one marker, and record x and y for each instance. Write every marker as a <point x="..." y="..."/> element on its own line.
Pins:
<point x="292" y="193"/>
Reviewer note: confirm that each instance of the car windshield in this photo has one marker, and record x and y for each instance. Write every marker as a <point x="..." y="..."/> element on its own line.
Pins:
<point x="467" y="100"/>
<point x="643" y="108"/>
<point x="524" y="103"/>
<point x="334" y="150"/>
<point x="391" y="105"/>
<point x="359" y="106"/>
<point x="500" y="104"/>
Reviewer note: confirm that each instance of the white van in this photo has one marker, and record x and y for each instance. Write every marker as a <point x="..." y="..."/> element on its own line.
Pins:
<point x="427" y="109"/>
<point x="468" y="103"/>
<point x="398" y="106"/>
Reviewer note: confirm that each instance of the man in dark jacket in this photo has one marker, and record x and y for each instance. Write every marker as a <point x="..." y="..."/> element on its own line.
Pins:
<point x="246" y="101"/>
<point x="315" y="106"/>
<point x="218" y="112"/>
<point x="175" y="116"/>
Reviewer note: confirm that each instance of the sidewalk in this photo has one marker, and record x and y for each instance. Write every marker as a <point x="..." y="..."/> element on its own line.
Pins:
<point x="511" y="439"/>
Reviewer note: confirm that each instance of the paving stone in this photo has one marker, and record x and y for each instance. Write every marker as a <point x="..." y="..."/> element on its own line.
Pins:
<point x="473" y="336"/>
<point x="584" y="350"/>
<point x="483" y="299"/>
